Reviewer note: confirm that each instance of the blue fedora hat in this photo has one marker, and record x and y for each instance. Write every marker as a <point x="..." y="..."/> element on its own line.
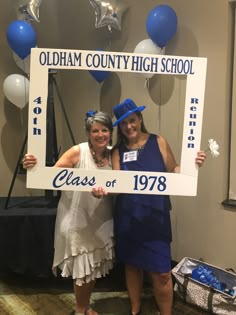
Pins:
<point x="124" y="109"/>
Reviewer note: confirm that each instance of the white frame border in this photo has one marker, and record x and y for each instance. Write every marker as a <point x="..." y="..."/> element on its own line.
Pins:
<point x="184" y="183"/>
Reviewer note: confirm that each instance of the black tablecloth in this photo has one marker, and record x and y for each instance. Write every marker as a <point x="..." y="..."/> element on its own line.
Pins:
<point x="26" y="236"/>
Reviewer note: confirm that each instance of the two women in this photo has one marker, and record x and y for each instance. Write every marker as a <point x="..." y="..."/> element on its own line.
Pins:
<point x="142" y="222"/>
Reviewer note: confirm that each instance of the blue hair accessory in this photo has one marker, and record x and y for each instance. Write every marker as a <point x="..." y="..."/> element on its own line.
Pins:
<point x="90" y="113"/>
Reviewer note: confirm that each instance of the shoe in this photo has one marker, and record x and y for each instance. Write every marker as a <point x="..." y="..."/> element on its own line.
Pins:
<point x="139" y="313"/>
<point x="85" y="312"/>
<point x="89" y="308"/>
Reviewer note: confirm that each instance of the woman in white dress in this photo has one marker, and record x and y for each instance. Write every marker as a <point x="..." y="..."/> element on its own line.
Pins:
<point x="84" y="243"/>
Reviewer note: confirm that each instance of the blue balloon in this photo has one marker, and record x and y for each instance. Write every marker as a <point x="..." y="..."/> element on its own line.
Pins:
<point x="21" y="38"/>
<point x="161" y="24"/>
<point x="99" y="75"/>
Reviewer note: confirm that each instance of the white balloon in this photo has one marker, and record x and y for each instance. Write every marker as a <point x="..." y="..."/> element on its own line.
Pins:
<point x="23" y="64"/>
<point x="147" y="46"/>
<point x="16" y="90"/>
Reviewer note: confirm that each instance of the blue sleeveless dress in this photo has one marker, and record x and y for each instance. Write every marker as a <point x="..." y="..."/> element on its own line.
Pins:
<point x="142" y="222"/>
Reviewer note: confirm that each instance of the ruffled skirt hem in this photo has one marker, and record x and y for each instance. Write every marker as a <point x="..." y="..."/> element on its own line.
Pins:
<point x="86" y="266"/>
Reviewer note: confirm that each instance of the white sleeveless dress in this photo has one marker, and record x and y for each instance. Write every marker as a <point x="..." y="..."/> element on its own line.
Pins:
<point x="84" y="239"/>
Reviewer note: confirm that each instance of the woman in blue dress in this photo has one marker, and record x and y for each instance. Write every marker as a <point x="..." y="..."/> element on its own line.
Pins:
<point x="142" y="222"/>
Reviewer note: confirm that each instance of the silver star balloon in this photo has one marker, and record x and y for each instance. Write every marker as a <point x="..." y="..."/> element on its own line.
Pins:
<point x="109" y="13"/>
<point x="28" y="10"/>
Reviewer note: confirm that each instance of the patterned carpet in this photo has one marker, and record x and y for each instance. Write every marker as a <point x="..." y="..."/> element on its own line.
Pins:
<point x="21" y="296"/>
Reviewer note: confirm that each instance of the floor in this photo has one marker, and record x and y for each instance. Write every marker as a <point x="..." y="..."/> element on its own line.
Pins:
<point x="21" y="295"/>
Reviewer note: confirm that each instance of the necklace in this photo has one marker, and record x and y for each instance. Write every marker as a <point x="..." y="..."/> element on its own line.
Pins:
<point x="138" y="149"/>
<point x="99" y="162"/>
<point x="139" y="145"/>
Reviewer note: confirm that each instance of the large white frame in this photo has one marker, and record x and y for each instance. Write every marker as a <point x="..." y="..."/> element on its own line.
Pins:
<point x="184" y="183"/>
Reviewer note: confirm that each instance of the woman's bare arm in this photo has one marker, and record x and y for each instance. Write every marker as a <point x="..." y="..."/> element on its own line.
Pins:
<point x="69" y="159"/>
<point x="115" y="159"/>
<point x="168" y="156"/>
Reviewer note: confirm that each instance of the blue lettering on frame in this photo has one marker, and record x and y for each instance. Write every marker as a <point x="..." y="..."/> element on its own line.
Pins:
<point x="37" y="110"/>
<point x="67" y="178"/>
<point x="192" y="123"/>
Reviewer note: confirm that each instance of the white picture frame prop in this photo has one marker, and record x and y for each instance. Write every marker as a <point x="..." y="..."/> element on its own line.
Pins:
<point x="53" y="178"/>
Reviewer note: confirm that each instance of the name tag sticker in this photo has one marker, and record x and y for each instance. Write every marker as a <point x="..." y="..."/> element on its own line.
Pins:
<point x="130" y="156"/>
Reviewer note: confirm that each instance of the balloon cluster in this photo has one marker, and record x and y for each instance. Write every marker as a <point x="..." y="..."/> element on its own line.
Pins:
<point x="161" y="26"/>
<point x="21" y="37"/>
<point x="108" y="13"/>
